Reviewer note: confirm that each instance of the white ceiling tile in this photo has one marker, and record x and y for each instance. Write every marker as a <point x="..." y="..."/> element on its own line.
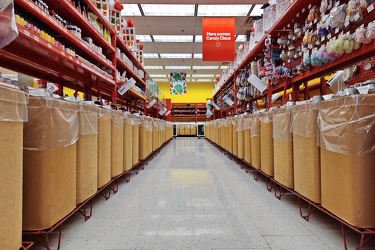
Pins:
<point x="168" y="9"/>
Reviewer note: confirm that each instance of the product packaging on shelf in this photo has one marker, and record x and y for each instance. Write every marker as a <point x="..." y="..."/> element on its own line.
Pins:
<point x="13" y="112"/>
<point x="347" y="147"/>
<point x="87" y="156"/>
<point x="283" y="146"/>
<point x="8" y="27"/>
<point x="306" y="153"/>
<point x="49" y="163"/>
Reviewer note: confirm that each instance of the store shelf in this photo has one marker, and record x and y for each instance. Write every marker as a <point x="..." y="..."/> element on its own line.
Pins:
<point x="192" y="111"/>
<point x="32" y="55"/>
<point x="81" y="47"/>
<point x="121" y="65"/>
<point x="67" y="11"/>
<point x="296" y="13"/>
<point x="128" y="53"/>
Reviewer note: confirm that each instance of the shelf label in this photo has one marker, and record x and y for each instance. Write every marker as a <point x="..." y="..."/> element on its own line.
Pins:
<point x="370" y="8"/>
<point x="49" y="45"/>
<point x="43" y="13"/>
<point x="70" y="57"/>
<point x="63" y="53"/>
<point x="346" y="24"/>
<point x="27" y="33"/>
<point x="303" y="10"/>
<point x="329" y="36"/>
<point x="309" y="6"/>
<point x="323" y="38"/>
<point x="337" y="30"/>
<point x="36" y="38"/>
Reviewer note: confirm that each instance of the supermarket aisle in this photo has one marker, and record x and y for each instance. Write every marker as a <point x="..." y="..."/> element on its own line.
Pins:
<point x="192" y="197"/>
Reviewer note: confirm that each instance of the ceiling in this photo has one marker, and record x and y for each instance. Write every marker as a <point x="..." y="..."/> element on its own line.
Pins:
<point x="171" y="30"/>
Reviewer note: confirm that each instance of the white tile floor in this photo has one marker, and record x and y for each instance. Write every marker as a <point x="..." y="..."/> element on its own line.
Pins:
<point x="191" y="196"/>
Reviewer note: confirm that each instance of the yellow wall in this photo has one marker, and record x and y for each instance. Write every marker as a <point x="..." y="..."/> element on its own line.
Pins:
<point x="195" y="92"/>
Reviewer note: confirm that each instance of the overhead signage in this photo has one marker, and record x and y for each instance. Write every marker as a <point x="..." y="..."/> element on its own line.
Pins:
<point x="218" y="39"/>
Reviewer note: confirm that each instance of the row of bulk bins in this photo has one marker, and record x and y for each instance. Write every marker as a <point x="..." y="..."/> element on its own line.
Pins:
<point x="13" y="113"/>
<point x="61" y="154"/>
<point x="325" y="151"/>
<point x="187" y="129"/>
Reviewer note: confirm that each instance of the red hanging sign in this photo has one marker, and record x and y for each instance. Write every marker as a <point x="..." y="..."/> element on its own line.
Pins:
<point x="218" y="39"/>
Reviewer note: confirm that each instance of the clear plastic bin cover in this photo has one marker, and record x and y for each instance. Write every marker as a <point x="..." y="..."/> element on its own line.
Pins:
<point x="104" y="112"/>
<point x="347" y="124"/>
<point x="52" y="124"/>
<point x="239" y="123"/>
<point x="8" y="27"/>
<point x="266" y="117"/>
<point x="88" y="119"/>
<point x="282" y="120"/>
<point x="255" y="125"/>
<point x="13" y="105"/>
<point x="117" y="119"/>
<point x="304" y="120"/>
<point x="162" y="125"/>
<point x="137" y="119"/>
<point x="246" y="123"/>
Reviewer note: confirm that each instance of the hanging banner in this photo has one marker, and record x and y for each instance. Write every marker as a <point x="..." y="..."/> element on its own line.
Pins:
<point x="218" y="39"/>
<point x="178" y="83"/>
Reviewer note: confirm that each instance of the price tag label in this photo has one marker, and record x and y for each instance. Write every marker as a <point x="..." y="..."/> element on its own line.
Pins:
<point x="295" y="56"/>
<point x="70" y="57"/>
<point x="27" y="33"/>
<point x="36" y="38"/>
<point x="370" y="8"/>
<point x="62" y="53"/>
<point x="49" y="45"/>
<point x="43" y="13"/>
<point x="310" y="46"/>
<point x="329" y="36"/>
<point x="337" y="30"/>
<point x="317" y="43"/>
<point x="78" y="62"/>
<point x="303" y="10"/>
<point x="297" y="14"/>
<point x="323" y="38"/>
<point x="309" y="6"/>
<point x="346" y="24"/>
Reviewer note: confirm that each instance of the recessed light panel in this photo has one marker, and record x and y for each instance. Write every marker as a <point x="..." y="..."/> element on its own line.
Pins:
<point x="168" y="9"/>
<point x="175" y="55"/>
<point x="172" y="38"/>
<point x="223" y="10"/>
<point x="130" y="10"/>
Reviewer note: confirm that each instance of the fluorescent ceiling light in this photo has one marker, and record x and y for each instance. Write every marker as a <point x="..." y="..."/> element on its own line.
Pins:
<point x="158" y="76"/>
<point x="206" y="76"/>
<point x="172" y="38"/>
<point x="223" y="10"/>
<point x="198" y="38"/>
<point x="144" y="38"/>
<point x="175" y="55"/>
<point x="241" y="38"/>
<point x="130" y="10"/>
<point x="168" y="9"/>
<point x="223" y="67"/>
<point x="153" y="67"/>
<point x="177" y="67"/>
<point x="203" y="80"/>
<point x="198" y="56"/>
<point x="257" y="11"/>
<point x="150" y="55"/>
<point x="205" y="67"/>
<point x="162" y="80"/>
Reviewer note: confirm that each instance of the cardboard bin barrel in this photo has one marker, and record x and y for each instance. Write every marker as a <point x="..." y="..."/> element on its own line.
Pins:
<point x="135" y="141"/>
<point x="13" y="112"/>
<point x="246" y="138"/>
<point x="87" y="155"/>
<point x="347" y="147"/>
<point x="283" y="147"/>
<point x="255" y="128"/>
<point x="266" y="144"/>
<point x="117" y="143"/>
<point x="104" y="147"/>
<point x="127" y="140"/>
<point x="306" y="153"/>
<point x="49" y="163"/>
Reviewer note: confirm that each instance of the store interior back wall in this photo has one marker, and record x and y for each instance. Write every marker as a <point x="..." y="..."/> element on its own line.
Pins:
<point x="195" y="92"/>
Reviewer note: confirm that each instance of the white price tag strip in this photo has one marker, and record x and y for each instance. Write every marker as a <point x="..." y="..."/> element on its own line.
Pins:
<point x="36" y="38"/>
<point x="49" y="45"/>
<point x="329" y="36"/>
<point x="27" y="33"/>
<point x="370" y="8"/>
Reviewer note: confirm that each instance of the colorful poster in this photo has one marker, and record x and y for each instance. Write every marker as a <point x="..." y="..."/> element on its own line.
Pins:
<point x="218" y="39"/>
<point x="177" y="83"/>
